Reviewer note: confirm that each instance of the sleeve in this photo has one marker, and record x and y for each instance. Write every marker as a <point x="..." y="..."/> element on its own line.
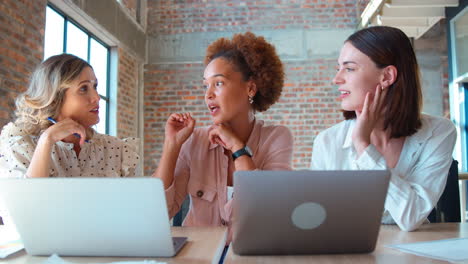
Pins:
<point x="279" y="150"/>
<point x="410" y="199"/>
<point x="131" y="165"/>
<point x="15" y="156"/>
<point x="371" y="159"/>
<point x="320" y="153"/>
<point x="177" y="192"/>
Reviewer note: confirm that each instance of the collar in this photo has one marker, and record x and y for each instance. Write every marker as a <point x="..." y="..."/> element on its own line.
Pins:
<point x="348" y="142"/>
<point x="419" y="137"/>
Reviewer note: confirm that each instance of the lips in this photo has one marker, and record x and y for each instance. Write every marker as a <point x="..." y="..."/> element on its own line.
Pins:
<point x="95" y="110"/>
<point x="344" y="93"/>
<point x="213" y="108"/>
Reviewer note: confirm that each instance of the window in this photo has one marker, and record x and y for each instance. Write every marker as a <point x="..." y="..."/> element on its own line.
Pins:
<point x="64" y="35"/>
<point x="457" y="26"/>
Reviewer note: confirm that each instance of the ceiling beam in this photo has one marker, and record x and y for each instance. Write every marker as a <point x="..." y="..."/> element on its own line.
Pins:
<point x="421" y="3"/>
<point x="370" y="12"/>
<point x="413" y="12"/>
<point x="403" y="21"/>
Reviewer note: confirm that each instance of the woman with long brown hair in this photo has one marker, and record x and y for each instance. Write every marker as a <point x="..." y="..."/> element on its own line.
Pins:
<point x="379" y="84"/>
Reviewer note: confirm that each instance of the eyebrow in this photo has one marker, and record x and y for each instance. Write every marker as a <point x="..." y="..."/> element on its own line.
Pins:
<point x="216" y="75"/>
<point x="349" y="62"/>
<point x="90" y="81"/>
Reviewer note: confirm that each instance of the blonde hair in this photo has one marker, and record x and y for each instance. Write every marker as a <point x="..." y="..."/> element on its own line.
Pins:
<point x="44" y="96"/>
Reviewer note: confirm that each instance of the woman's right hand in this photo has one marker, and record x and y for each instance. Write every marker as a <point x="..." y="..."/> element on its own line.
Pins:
<point x="63" y="129"/>
<point x="179" y="127"/>
<point x="368" y="119"/>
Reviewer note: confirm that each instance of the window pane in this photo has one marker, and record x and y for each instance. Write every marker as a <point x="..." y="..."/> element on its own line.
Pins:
<point x="77" y="41"/>
<point x="53" y="42"/>
<point x="98" y="59"/>
<point x="461" y="42"/>
<point x="101" y="126"/>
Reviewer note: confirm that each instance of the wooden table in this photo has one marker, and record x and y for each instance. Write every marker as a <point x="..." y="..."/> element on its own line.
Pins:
<point x="205" y="245"/>
<point x="389" y="234"/>
<point x="463" y="176"/>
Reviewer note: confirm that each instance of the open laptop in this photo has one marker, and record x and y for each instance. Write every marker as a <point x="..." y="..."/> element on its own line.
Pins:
<point x="91" y="216"/>
<point x="307" y="212"/>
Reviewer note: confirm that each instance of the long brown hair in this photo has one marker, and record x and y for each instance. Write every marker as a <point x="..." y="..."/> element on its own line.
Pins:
<point x="390" y="46"/>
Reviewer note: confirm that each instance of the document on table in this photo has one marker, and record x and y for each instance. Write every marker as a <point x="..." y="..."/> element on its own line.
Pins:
<point x="452" y="250"/>
<point x="10" y="241"/>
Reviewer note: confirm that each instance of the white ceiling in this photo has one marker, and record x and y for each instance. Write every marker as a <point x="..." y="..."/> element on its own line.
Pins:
<point x="414" y="17"/>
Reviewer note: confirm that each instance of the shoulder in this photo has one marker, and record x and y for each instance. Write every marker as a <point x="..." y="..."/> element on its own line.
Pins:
<point x="435" y="127"/>
<point x="435" y="122"/>
<point x="434" y="131"/>
<point x="12" y="135"/>
<point x="273" y="131"/>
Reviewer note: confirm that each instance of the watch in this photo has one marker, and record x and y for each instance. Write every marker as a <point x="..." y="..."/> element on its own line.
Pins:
<point x="241" y="152"/>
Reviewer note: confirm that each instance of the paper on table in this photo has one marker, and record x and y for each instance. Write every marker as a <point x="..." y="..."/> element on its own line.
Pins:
<point x="10" y="241"/>
<point x="452" y="250"/>
<point x="55" y="259"/>
<point x="9" y="247"/>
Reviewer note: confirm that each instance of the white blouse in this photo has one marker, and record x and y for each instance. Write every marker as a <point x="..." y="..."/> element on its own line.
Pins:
<point x="418" y="179"/>
<point x="102" y="156"/>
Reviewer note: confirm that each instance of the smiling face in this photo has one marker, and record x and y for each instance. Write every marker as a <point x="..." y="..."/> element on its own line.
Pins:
<point x="81" y="100"/>
<point x="356" y="76"/>
<point x="227" y="94"/>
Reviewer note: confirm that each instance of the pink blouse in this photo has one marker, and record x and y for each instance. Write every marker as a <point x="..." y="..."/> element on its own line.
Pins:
<point x="202" y="172"/>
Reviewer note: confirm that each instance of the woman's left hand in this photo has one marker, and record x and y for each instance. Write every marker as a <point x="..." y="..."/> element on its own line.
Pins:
<point x="224" y="136"/>
<point x="368" y="118"/>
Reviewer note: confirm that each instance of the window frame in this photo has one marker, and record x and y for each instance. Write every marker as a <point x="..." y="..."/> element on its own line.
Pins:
<point x="458" y="91"/>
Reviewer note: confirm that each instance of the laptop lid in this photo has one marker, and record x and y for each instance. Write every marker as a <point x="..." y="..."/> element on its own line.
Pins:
<point x="90" y="216"/>
<point x="307" y="212"/>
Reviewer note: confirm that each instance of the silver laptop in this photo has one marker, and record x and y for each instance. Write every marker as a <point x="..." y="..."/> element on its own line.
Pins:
<point x="307" y="212"/>
<point x="91" y="216"/>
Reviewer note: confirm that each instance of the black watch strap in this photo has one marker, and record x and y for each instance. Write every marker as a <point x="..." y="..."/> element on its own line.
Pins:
<point x="241" y="152"/>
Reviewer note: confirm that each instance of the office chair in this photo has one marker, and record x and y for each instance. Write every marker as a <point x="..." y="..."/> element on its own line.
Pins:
<point x="447" y="208"/>
<point x="180" y="216"/>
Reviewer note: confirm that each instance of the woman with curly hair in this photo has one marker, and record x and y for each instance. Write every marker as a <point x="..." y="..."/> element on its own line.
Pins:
<point x="242" y="76"/>
<point x="52" y="135"/>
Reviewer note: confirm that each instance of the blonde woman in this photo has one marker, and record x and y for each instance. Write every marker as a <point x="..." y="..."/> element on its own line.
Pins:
<point x="52" y="135"/>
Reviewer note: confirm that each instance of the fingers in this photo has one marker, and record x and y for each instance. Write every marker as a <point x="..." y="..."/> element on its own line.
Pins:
<point x="181" y="117"/>
<point x="383" y="94"/>
<point x="365" y="107"/>
<point x="67" y="127"/>
<point x="376" y="99"/>
<point x="214" y="135"/>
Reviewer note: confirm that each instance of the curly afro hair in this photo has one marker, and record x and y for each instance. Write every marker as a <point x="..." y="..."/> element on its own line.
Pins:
<point x="255" y="59"/>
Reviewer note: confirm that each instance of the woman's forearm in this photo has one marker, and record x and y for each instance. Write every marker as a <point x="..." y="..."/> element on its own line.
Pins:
<point x="167" y="163"/>
<point x="40" y="162"/>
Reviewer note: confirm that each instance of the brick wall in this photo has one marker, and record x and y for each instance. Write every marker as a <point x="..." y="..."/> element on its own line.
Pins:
<point x="21" y="49"/>
<point x="170" y="17"/>
<point x="127" y="95"/>
<point x="309" y="101"/>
